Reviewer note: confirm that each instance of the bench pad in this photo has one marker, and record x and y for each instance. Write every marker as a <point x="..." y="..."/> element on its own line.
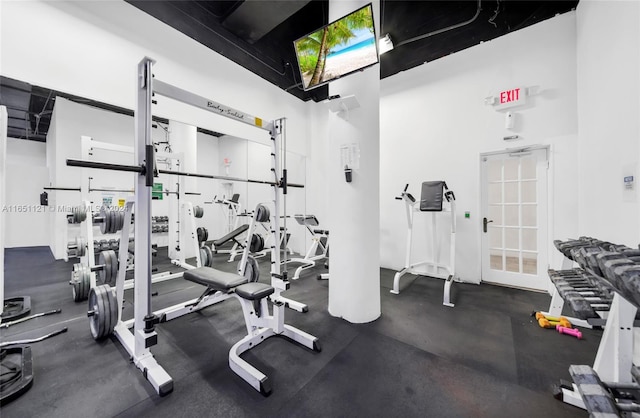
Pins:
<point x="254" y="291"/>
<point x="239" y="230"/>
<point x="214" y="279"/>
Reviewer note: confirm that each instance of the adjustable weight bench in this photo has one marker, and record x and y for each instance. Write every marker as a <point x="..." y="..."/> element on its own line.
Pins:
<point x="231" y="236"/>
<point x="260" y="325"/>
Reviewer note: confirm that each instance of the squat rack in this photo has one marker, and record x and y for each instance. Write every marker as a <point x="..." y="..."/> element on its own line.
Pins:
<point x="144" y="335"/>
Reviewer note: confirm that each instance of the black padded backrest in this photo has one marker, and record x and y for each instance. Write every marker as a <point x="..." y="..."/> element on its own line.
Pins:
<point x="235" y="198"/>
<point x="431" y="196"/>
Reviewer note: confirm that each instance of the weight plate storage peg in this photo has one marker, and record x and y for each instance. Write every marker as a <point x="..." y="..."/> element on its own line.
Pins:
<point x="102" y="311"/>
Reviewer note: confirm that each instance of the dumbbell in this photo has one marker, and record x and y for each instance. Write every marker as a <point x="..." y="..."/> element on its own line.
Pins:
<point x="114" y="244"/>
<point x="574" y="332"/>
<point x="77" y="248"/>
<point x="548" y="321"/>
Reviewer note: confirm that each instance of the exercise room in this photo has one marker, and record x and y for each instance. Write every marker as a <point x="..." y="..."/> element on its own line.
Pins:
<point x="319" y="208"/>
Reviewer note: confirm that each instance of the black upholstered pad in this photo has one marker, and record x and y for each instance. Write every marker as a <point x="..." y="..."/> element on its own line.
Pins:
<point x="239" y="230"/>
<point x="215" y="279"/>
<point x="254" y="291"/>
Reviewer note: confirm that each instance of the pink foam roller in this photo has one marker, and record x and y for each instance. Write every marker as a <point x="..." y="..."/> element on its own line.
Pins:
<point x="569" y="331"/>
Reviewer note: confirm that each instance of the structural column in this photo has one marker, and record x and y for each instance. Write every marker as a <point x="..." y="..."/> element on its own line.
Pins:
<point x="3" y="167"/>
<point x="354" y="207"/>
<point x="183" y="139"/>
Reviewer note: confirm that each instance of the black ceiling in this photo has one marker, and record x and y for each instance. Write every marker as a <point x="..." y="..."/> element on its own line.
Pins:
<point x="421" y="30"/>
<point x="259" y="35"/>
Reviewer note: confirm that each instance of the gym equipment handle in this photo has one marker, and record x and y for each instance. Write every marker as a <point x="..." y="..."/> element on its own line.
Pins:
<point x="485" y="222"/>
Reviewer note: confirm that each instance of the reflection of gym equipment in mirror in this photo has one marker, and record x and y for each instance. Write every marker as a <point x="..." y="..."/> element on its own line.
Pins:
<point x="110" y="221"/>
<point x="319" y="249"/>
<point x="230" y="208"/>
<point x="105" y="305"/>
<point x="433" y="195"/>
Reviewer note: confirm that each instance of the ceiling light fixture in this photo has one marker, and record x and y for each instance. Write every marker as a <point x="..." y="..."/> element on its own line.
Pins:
<point x="385" y="44"/>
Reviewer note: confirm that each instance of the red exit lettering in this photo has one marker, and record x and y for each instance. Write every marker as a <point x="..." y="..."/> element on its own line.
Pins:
<point x="509" y="96"/>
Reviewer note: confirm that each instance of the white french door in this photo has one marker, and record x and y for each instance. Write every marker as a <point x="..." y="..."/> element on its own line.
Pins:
<point x="514" y="217"/>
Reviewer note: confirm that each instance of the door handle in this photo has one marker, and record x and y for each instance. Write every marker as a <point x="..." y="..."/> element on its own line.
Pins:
<point x="484" y="224"/>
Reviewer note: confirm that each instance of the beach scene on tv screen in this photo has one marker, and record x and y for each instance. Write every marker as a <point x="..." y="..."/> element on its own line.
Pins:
<point x="337" y="49"/>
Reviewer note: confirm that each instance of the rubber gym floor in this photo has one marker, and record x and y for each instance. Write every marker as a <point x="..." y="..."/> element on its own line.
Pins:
<point x="484" y="358"/>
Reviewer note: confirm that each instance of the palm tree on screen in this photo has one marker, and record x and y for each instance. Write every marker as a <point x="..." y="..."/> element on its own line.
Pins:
<point x="321" y="42"/>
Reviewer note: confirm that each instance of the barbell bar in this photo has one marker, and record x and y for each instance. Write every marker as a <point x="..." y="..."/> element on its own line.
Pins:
<point x="142" y="170"/>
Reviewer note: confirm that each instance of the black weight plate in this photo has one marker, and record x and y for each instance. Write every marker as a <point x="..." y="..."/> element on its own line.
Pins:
<point x="209" y="256"/>
<point x="262" y="214"/>
<point x="257" y="243"/>
<point x="112" y="222"/>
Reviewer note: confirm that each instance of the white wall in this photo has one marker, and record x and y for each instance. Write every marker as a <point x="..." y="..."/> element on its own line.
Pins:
<point x="27" y="174"/>
<point x="94" y="48"/>
<point x="434" y="125"/>
<point x="609" y="118"/>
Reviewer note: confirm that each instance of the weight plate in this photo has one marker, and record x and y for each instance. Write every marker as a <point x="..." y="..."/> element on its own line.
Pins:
<point x="103" y="260"/>
<point x="251" y="271"/>
<point x="103" y="215"/>
<point x="103" y="310"/>
<point x="262" y="214"/>
<point x="114" y="268"/>
<point x="209" y="256"/>
<point x="116" y="221"/>
<point x="111" y="222"/>
<point x="121" y="221"/>
<point x="108" y="271"/>
<point x="85" y="279"/>
<point x="203" y="258"/>
<point x="257" y="243"/>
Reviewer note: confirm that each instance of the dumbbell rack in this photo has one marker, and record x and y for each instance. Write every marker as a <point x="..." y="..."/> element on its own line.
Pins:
<point x="614" y="358"/>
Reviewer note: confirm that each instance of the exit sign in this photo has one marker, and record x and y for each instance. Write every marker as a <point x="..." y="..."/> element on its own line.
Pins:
<point x="512" y="97"/>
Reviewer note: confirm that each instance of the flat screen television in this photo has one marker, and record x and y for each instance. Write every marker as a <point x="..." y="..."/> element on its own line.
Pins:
<point x="339" y="48"/>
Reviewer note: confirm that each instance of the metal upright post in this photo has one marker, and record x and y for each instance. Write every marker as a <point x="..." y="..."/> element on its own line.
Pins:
<point x="3" y="162"/>
<point x="143" y="330"/>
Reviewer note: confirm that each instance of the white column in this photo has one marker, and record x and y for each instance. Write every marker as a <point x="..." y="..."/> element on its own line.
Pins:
<point x="184" y="140"/>
<point x="3" y="166"/>
<point x="353" y="208"/>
